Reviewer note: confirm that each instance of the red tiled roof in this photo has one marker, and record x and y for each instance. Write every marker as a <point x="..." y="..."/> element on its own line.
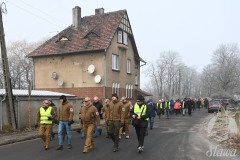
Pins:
<point x="95" y="33"/>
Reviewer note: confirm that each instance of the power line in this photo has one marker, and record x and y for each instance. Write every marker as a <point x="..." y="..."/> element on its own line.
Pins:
<point x="41" y="11"/>
<point x="33" y="14"/>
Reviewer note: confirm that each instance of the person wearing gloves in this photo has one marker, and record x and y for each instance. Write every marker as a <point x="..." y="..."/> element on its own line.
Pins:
<point x="115" y="120"/>
<point x="65" y="120"/>
<point x="45" y="116"/>
<point x="140" y="114"/>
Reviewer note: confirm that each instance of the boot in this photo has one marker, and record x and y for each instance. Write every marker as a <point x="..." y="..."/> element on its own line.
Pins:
<point x="60" y="147"/>
<point x="86" y="149"/>
<point x="100" y="131"/>
<point x="92" y="146"/>
<point x="46" y="147"/>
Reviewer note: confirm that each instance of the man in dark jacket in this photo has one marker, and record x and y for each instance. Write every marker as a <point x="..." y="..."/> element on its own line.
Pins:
<point x="140" y="114"/>
<point x="99" y="106"/>
<point x="153" y="111"/>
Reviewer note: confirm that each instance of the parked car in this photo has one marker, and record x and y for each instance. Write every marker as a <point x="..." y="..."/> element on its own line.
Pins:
<point x="214" y="105"/>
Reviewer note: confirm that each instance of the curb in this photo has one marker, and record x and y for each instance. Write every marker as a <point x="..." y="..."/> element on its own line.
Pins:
<point x="14" y="138"/>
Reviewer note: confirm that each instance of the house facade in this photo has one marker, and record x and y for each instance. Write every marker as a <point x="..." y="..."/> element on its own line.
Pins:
<point x="96" y="55"/>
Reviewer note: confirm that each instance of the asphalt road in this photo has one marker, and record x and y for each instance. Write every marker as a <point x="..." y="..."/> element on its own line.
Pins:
<point x="177" y="138"/>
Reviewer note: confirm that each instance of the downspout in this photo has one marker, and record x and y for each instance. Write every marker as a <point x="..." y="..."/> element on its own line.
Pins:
<point x="33" y="83"/>
<point x="18" y="113"/>
<point x="2" y="112"/>
<point x="105" y="73"/>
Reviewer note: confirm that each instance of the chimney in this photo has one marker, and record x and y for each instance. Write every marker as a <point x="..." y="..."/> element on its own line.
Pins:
<point x="99" y="11"/>
<point x="76" y="17"/>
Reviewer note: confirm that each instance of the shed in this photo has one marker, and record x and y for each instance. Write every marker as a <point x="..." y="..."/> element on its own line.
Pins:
<point x="26" y="107"/>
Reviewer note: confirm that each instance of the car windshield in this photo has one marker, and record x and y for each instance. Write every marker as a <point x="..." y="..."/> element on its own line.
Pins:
<point x="215" y="102"/>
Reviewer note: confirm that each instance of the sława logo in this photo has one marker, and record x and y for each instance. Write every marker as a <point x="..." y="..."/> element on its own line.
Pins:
<point x="217" y="150"/>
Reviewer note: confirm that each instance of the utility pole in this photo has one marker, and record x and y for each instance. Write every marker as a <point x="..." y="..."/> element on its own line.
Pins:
<point x="7" y="81"/>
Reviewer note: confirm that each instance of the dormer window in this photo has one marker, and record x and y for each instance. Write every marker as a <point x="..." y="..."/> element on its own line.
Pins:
<point x="62" y="39"/>
<point x="122" y="37"/>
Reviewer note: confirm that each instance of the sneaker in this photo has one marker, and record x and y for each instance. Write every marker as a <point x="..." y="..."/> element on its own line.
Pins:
<point x="69" y="146"/>
<point x="115" y="149"/>
<point x="119" y="137"/>
<point x="124" y="133"/>
<point x="140" y="149"/>
<point x="127" y="137"/>
<point x="60" y="147"/>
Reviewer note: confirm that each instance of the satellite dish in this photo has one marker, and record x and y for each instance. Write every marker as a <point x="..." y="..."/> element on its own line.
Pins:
<point x="97" y="79"/>
<point x="60" y="82"/>
<point x="54" y="75"/>
<point x="91" y="68"/>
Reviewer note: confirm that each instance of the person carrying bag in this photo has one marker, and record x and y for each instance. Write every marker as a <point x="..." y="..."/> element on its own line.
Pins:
<point x="140" y="114"/>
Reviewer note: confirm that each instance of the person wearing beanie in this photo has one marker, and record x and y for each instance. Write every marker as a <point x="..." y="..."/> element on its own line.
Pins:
<point x="153" y="111"/>
<point x="115" y="120"/>
<point x="140" y="114"/>
<point x="65" y="119"/>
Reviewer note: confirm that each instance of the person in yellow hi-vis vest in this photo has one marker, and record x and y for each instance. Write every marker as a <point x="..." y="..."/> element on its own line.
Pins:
<point x="159" y="109"/>
<point x="45" y="116"/>
<point x="140" y="114"/>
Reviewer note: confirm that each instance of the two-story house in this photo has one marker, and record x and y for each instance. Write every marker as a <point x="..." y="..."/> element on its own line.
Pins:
<point x="96" y="55"/>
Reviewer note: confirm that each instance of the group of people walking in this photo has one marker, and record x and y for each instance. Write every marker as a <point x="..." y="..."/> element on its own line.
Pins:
<point x="47" y="115"/>
<point x="186" y="105"/>
<point x="118" y="115"/>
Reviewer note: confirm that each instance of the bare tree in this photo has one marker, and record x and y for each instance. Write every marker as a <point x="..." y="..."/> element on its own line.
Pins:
<point x="226" y="62"/>
<point x="21" y="67"/>
<point x="171" y="61"/>
<point x="156" y="74"/>
<point x="169" y="77"/>
<point x="208" y="80"/>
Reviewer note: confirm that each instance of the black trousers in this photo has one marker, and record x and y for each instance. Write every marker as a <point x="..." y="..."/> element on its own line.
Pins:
<point x="140" y="131"/>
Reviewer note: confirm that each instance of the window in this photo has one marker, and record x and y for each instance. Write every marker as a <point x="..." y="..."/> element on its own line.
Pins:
<point x="129" y="90"/>
<point x="136" y="80"/>
<point x="128" y="66"/>
<point x="115" y="62"/>
<point x="113" y="87"/>
<point x="125" y="38"/>
<point x="116" y="88"/>
<point x="122" y="37"/>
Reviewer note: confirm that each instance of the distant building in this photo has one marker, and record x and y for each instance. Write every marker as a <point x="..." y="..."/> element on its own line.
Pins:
<point x="96" y="55"/>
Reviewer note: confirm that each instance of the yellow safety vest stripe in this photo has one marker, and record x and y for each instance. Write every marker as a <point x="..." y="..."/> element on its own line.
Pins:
<point x="167" y="105"/>
<point x="160" y="105"/>
<point x="44" y="114"/>
<point x="138" y="110"/>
